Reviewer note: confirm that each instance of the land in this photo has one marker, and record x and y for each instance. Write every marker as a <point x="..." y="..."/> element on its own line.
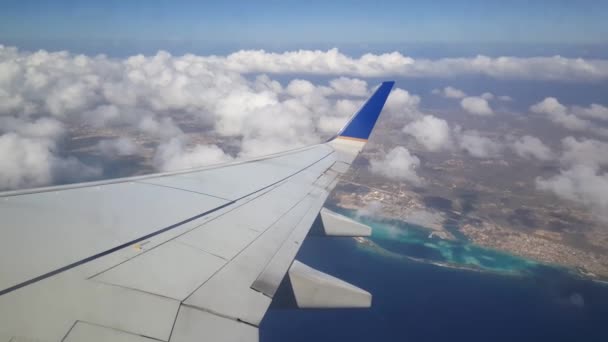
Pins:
<point x="489" y="202"/>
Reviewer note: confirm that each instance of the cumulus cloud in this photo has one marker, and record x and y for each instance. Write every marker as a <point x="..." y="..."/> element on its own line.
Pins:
<point x="349" y="86"/>
<point x="569" y="117"/>
<point x="594" y="111"/>
<point x="476" y="105"/>
<point x="581" y="183"/>
<point x="491" y="97"/>
<point x="431" y="132"/>
<point x="455" y="93"/>
<point x="402" y="103"/>
<point x="590" y="152"/>
<point x="30" y="154"/>
<point x="117" y="147"/>
<point x="31" y="161"/>
<point x="487" y="96"/>
<point x="398" y="164"/>
<point x="450" y="92"/>
<point x="558" y="113"/>
<point x="175" y="155"/>
<point x="43" y="128"/>
<point x="532" y="148"/>
<point x="582" y="178"/>
<point x="477" y="145"/>
<point x="25" y="162"/>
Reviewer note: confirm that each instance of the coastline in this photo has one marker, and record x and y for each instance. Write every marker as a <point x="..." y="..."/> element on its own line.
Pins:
<point x="522" y="267"/>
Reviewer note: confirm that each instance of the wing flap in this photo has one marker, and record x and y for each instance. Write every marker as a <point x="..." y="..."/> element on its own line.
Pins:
<point x="315" y="289"/>
<point x="270" y="278"/>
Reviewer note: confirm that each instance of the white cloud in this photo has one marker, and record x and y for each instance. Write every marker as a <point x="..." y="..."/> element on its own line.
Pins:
<point x="476" y="105"/>
<point x="594" y="111"/>
<point x="300" y="88"/>
<point x="477" y="145"/>
<point x="588" y="152"/>
<point x="450" y="92"/>
<point x="333" y="62"/>
<point x="398" y="164"/>
<point x="402" y="103"/>
<point x="43" y="128"/>
<point x="558" y="113"/>
<point x="25" y="161"/>
<point x="431" y="132"/>
<point x="581" y="183"/>
<point x="349" y="86"/>
<point x="32" y="161"/>
<point x="117" y="147"/>
<point x="164" y="127"/>
<point x="549" y="105"/>
<point x="532" y="148"/>
<point x="582" y="179"/>
<point x="331" y="124"/>
<point x="175" y="155"/>
<point x="491" y="97"/>
<point x="455" y="93"/>
<point x="487" y="96"/>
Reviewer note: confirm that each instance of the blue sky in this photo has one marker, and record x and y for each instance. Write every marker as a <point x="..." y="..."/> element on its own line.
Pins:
<point x="304" y="23"/>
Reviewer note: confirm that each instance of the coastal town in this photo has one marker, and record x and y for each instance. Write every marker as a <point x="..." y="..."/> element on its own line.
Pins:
<point x="393" y="200"/>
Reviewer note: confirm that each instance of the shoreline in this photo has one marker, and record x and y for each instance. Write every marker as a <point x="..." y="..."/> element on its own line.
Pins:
<point x="379" y="250"/>
<point x="432" y="233"/>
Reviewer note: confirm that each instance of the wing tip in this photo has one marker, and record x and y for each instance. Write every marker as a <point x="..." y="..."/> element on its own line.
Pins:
<point x="360" y="126"/>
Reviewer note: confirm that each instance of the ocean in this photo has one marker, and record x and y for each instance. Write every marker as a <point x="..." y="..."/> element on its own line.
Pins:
<point x="427" y="289"/>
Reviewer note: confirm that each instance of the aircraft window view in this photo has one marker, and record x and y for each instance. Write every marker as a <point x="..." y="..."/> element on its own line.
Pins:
<point x="303" y="170"/>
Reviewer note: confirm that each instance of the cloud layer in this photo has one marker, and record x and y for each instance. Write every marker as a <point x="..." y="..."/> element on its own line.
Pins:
<point x="46" y="97"/>
<point x="333" y="62"/>
<point x="157" y="102"/>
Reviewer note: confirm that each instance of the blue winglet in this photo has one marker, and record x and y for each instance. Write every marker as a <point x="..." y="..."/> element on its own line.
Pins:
<point x="362" y="123"/>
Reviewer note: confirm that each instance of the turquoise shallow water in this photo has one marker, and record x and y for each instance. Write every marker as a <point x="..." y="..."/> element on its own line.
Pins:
<point x="404" y="239"/>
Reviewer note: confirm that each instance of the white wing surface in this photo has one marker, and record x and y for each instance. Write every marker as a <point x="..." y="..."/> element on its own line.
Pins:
<point x="195" y="255"/>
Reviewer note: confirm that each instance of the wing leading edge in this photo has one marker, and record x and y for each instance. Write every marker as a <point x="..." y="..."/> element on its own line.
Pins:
<point x="178" y="256"/>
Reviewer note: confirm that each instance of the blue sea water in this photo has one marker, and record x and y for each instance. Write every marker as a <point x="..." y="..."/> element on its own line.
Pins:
<point x="498" y="297"/>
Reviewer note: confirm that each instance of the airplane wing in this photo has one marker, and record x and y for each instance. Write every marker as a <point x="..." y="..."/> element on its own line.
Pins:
<point x="182" y="256"/>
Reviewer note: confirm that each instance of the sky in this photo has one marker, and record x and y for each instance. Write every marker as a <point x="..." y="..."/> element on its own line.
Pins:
<point x="289" y="24"/>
